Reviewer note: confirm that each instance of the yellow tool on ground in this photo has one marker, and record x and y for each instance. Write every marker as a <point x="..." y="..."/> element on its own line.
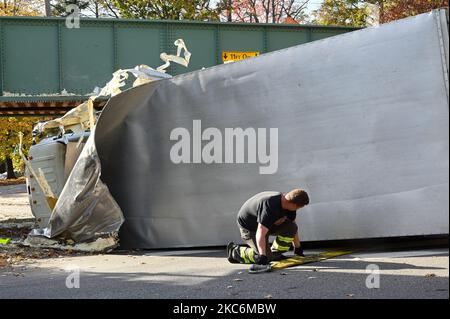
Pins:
<point x="297" y="260"/>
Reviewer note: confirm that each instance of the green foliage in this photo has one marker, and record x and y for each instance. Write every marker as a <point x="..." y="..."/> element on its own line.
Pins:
<point x="88" y="8"/>
<point x="19" y="8"/>
<point x="356" y="12"/>
<point x="9" y="137"/>
<point x="342" y="12"/>
<point x="166" y="9"/>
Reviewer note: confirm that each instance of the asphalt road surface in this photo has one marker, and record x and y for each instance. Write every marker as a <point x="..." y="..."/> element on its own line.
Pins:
<point x="404" y="273"/>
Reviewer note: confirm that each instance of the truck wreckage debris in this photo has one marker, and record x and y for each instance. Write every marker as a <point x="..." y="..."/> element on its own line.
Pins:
<point x="100" y="218"/>
<point x="362" y="123"/>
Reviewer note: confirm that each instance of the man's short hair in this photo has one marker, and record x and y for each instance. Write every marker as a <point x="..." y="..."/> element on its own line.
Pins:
<point x="298" y="196"/>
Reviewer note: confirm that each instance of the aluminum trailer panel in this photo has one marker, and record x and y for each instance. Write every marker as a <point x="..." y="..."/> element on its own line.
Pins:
<point x="359" y="120"/>
<point x="362" y="121"/>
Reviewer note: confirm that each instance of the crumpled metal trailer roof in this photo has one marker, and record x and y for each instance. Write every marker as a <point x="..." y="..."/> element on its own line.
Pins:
<point x="362" y="123"/>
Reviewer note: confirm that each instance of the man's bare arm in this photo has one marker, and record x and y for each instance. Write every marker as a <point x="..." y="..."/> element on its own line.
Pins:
<point x="298" y="250"/>
<point x="261" y="233"/>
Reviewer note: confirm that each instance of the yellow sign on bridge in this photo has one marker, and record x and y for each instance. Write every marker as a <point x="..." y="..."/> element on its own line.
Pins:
<point x="230" y="56"/>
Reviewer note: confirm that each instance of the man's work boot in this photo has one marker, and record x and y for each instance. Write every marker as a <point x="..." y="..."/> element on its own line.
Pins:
<point x="230" y="247"/>
<point x="256" y="269"/>
<point x="262" y="265"/>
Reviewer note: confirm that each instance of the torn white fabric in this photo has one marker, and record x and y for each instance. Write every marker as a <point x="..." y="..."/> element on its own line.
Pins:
<point x="184" y="61"/>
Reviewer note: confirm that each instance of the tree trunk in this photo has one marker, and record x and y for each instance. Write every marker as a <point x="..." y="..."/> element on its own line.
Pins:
<point x="48" y="11"/>
<point x="229" y="11"/>
<point x="381" y="12"/>
<point x="9" y="168"/>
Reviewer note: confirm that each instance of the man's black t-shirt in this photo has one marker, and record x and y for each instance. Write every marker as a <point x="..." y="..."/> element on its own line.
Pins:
<point x="263" y="208"/>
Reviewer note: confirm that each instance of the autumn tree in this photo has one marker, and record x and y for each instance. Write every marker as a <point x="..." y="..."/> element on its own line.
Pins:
<point x="19" y="7"/>
<point x="262" y="11"/>
<point x="9" y="140"/>
<point x="166" y="9"/>
<point x="358" y="12"/>
<point x="106" y="9"/>
<point x="342" y="12"/>
<point x="399" y="9"/>
<point x="89" y="8"/>
<point x="59" y="8"/>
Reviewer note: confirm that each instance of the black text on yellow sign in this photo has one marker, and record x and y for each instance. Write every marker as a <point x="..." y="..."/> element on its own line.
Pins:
<point x="228" y="56"/>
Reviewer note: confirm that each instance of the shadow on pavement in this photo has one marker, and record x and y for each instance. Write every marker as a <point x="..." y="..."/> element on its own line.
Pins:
<point x="234" y="284"/>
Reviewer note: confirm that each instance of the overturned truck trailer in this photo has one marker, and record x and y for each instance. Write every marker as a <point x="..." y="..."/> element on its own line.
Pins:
<point x="359" y="120"/>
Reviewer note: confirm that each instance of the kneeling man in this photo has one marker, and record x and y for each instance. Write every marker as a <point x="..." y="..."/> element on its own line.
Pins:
<point x="265" y="214"/>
